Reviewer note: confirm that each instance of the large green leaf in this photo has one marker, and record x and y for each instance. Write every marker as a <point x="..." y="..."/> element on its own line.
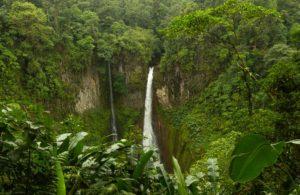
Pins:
<point x="295" y="141"/>
<point x="60" y="138"/>
<point x="182" y="188"/>
<point x="142" y="164"/>
<point x="115" y="147"/>
<point x="63" y="142"/>
<point x="251" y="155"/>
<point x="74" y="141"/>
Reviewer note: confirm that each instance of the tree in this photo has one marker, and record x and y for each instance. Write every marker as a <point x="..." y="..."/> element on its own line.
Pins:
<point x="31" y="39"/>
<point x="9" y="74"/>
<point x="239" y="27"/>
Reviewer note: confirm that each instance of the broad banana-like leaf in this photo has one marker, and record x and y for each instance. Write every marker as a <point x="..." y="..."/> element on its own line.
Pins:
<point x="251" y="155"/>
<point x="74" y="141"/>
<point x="62" y="142"/>
<point x="60" y="138"/>
<point x="114" y="148"/>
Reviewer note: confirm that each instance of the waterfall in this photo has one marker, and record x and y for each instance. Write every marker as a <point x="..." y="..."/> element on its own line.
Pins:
<point x="149" y="140"/>
<point x="112" y="108"/>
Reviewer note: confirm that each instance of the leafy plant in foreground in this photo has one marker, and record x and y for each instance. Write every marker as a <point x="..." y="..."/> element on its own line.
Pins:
<point x="26" y="153"/>
<point x="252" y="154"/>
<point x="182" y="188"/>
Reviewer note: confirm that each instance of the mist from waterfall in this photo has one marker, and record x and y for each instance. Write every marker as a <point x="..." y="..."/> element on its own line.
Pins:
<point x="112" y="108"/>
<point x="149" y="139"/>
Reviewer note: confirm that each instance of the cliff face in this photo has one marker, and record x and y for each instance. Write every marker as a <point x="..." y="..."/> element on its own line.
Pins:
<point x="173" y="90"/>
<point x="89" y="96"/>
<point x="92" y="90"/>
<point x="135" y="75"/>
<point x="168" y="93"/>
<point x="163" y="98"/>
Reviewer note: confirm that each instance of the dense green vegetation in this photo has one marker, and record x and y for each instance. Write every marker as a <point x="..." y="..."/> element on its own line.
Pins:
<point x="250" y="82"/>
<point x="35" y="161"/>
<point x="228" y="122"/>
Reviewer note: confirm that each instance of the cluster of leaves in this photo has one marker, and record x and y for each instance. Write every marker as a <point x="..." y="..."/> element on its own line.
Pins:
<point x="210" y="40"/>
<point x="26" y="40"/>
<point x="26" y="156"/>
<point x="34" y="161"/>
<point x="253" y="153"/>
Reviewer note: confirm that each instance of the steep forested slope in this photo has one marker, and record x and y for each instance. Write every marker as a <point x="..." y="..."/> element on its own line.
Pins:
<point x="237" y="68"/>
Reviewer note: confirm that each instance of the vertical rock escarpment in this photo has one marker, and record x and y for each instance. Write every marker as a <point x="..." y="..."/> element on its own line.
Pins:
<point x="89" y="91"/>
<point x="162" y="95"/>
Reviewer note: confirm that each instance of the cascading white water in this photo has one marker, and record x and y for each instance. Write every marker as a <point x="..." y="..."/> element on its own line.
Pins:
<point x="112" y="108"/>
<point x="149" y="139"/>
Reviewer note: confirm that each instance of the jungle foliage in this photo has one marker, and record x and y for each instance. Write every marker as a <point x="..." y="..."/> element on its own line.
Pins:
<point x="231" y="70"/>
<point x="37" y="160"/>
<point x="42" y="40"/>
<point x="235" y="76"/>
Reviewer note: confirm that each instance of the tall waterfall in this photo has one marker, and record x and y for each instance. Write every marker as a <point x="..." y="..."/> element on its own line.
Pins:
<point x="112" y="108"/>
<point x="149" y="140"/>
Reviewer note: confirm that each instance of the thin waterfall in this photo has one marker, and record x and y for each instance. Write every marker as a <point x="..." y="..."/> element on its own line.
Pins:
<point x="112" y="108"/>
<point x="149" y="139"/>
